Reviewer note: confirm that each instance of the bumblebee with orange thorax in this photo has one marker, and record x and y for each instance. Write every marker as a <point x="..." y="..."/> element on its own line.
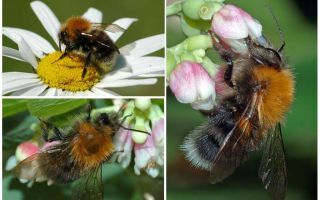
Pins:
<point x="257" y="91"/>
<point x="90" y="41"/>
<point x="76" y="152"/>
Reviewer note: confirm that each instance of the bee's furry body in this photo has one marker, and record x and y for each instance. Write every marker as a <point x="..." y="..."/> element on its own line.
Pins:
<point x="82" y="148"/>
<point x="82" y="38"/>
<point x="261" y="93"/>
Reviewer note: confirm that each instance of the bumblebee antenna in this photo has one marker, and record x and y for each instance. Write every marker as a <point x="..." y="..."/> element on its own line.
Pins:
<point x="278" y="27"/>
<point x="89" y="108"/>
<point x="122" y="121"/>
<point x="130" y="129"/>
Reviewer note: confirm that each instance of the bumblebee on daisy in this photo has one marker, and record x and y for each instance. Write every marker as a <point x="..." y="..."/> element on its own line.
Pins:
<point x="89" y="63"/>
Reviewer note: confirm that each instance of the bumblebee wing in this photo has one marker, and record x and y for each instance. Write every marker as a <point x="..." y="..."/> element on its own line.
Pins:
<point x="233" y="151"/>
<point x="89" y="187"/>
<point x="273" y="166"/>
<point x="106" y="42"/>
<point x="113" y="28"/>
<point x="33" y="167"/>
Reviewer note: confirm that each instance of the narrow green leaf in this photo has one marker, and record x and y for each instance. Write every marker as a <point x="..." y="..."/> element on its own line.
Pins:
<point x="13" y="106"/>
<point x="45" y="108"/>
<point x="21" y="133"/>
<point x="174" y="8"/>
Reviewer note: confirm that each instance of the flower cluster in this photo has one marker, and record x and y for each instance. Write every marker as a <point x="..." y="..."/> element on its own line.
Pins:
<point x="148" y="149"/>
<point x="51" y="78"/>
<point x="192" y="76"/>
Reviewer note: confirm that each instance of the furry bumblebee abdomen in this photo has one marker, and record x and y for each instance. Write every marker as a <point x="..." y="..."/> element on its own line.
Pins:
<point x="91" y="146"/>
<point x="203" y="144"/>
<point x="276" y="94"/>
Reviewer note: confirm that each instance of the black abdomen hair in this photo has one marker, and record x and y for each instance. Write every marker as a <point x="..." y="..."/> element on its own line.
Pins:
<point x="202" y="145"/>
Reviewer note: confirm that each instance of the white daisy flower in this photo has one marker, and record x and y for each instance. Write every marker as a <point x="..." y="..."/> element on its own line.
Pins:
<point x="51" y="78"/>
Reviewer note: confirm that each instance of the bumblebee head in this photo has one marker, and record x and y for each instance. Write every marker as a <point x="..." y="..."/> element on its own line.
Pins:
<point x="63" y="38"/>
<point x="103" y="119"/>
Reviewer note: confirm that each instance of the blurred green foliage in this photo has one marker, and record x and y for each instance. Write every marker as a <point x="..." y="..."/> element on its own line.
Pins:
<point x="300" y="128"/>
<point x="18" y="126"/>
<point x="150" y="15"/>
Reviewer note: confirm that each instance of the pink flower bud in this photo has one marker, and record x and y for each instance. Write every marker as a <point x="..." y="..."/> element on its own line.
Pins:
<point x="26" y="149"/>
<point x="191" y="83"/>
<point x="233" y="25"/>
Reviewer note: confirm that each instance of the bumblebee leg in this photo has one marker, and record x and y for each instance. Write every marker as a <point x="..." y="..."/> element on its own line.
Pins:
<point x="89" y="108"/>
<point x="228" y="73"/>
<point x="46" y="127"/>
<point x="86" y="65"/>
<point x="225" y="55"/>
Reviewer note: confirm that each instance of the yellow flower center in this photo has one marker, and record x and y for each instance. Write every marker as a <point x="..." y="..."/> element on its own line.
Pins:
<point x="66" y="73"/>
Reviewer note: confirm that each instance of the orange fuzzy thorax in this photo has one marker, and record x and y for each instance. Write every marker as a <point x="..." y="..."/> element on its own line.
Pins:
<point x="277" y="96"/>
<point x="91" y="146"/>
<point x="74" y="25"/>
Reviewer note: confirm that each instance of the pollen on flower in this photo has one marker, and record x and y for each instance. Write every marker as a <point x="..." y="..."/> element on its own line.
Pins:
<point x="66" y="73"/>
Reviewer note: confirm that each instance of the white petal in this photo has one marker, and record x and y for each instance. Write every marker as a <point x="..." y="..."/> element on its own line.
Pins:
<point x="32" y="91"/>
<point x="89" y="93"/>
<point x="12" y="76"/>
<point x="16" y="36"/>
<point x="124" y="23"/>
<point x="144" y="46"/>
<point x="125" y="83"/>
<point x="11" y="163"/>
<point x="123" y="75"/>
<point x="69" y="94"/>
<point x="37" y="43"/>
<point x="138" y="63"/>
<point x="103" y="92"/>
<point x="51" y="92"/>
<point x="19" y="85"/>
<point x="93" y="15"/>
<point x="26" y="53"/>
<point x="47" y="18"/>
<point x="59" y="92"/>
<point x="12" y="53"/>
<point x="156" y="74"/>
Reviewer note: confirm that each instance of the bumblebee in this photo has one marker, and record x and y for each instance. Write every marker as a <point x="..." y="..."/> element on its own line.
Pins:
<point x="90" y="41"/>
<point x="258" y="89"/>
<point x="77" y="152"/>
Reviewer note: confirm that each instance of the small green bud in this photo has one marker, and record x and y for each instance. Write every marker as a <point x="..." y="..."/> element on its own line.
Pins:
<point x="171" y="62"/>
<point x="142" y="103"/>
<point x="210" y="67"/>
<point x="174" y="8"/>
<point x="208" y="9"/>
<point x="191" y="8"/>
<point x="199" y="42"/>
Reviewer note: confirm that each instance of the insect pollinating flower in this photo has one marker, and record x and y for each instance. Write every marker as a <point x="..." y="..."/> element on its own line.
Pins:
<point x="78" y="151"/>
<point x="88" y="61"/>
<point x="254" y="87"/>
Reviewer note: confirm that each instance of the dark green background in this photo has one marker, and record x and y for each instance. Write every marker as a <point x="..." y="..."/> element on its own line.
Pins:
<point x="300" y="127"/>
<point x="18" y="13"/>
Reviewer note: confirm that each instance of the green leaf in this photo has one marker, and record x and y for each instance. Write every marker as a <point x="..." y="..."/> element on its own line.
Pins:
<point x="110" y="171"/>
<point x="13" y="106"/>
<point x="45" y="108"/>
<point x="19" y="134"/>
<point x="174" y="8"/>
<point x="192" y="27"/>
<point x="8" y="192"/>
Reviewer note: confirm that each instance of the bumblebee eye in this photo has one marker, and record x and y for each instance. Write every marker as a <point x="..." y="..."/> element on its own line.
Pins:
<point x="103" y="119"/>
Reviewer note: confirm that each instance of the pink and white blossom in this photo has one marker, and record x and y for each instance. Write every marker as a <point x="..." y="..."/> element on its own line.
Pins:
<point x="232" y="25"/>
<point x="191" y="83"/>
